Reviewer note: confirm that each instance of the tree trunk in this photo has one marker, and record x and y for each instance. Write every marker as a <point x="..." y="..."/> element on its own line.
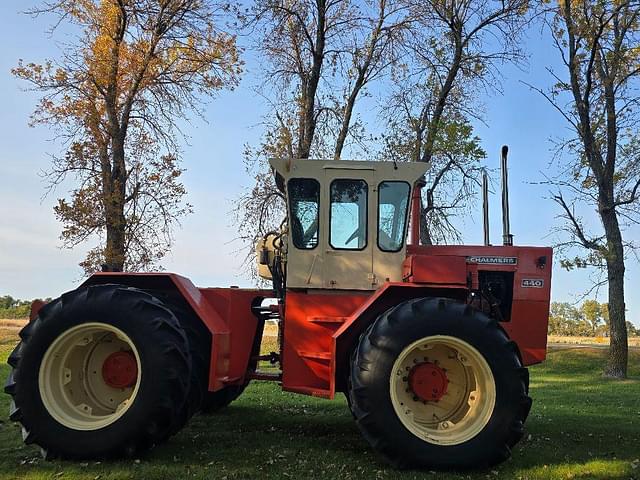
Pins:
<point x="114" y="253"/>
<point x="363" y="70"/>
<point x="309" y="99"/>
<point x="425" y="235"/>
<point x="346" y="120"/>
<point x="434" y="125"/>
<point x="616" y="366"/>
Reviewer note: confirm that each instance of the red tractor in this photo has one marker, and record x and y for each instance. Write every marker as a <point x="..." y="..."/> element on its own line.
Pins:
<point x="429" y="344"/>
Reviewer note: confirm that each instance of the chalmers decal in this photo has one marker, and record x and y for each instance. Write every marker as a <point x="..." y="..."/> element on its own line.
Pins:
<point x="484" y="260"/>
<point x="532" y="283"/>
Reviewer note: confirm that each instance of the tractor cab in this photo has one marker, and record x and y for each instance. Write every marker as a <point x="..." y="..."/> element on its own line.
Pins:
<point x="347" y="223"/>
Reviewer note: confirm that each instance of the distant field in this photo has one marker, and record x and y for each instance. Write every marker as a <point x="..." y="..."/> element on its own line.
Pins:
<point x="633" y="341"/>
<point x="9" y="322"/>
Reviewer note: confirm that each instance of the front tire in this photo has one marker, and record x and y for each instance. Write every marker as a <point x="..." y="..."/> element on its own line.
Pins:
<point x="437" y="384"/>
<point x="102" y="371"/>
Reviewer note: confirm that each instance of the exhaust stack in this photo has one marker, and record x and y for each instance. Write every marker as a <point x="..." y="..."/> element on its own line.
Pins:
<point x="485" y="206"/>
<point x="507" y="238"/>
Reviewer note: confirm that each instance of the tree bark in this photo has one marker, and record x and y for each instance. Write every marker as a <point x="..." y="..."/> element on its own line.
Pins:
<point x="346" y="120"/>
<point x="114" y="253"/>
<point x="309" y="113"/>
<point x="425" y="234"/>
<point x="617" y="360"/>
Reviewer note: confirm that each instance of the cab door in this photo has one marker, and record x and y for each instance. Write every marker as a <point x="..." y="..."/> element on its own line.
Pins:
<point x="348" y="241"/>
<point x="392" y="218"/>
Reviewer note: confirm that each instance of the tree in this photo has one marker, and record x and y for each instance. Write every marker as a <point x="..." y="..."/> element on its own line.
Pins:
<point x="115" y="99"/>
<point x="591" y="311"/>
<point x="454" y="49"/>
<point x="13" y="308"/>
<point x="319" y="56"/>
<point x="454" y="176"/>
<point x="313" y="49"/>
<point x="632" y="329"/>
<point x="596" y="94"/>
<point x="564" y="319"/>
<point x="440" y="52"/>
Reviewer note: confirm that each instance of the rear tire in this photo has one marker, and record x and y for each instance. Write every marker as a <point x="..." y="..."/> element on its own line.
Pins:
<point x="61" y="385"/>
<point x="475" y="406"/>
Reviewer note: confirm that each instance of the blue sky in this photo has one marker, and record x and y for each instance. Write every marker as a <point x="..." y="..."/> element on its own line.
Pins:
<point x="33" y="265"/>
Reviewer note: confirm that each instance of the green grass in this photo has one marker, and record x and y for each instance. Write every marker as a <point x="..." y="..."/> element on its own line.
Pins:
<point x="581" y="426"/>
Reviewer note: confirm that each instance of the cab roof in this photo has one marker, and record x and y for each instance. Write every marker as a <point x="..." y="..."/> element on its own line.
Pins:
<point x="318" y="169"/>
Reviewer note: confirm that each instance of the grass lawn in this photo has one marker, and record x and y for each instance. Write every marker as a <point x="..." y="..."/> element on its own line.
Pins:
<point x="581" y="426"/>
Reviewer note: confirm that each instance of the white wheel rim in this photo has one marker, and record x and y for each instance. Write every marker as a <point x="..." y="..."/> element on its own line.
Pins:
<point x="470" y="394"/>
<point x="72" y="385"/>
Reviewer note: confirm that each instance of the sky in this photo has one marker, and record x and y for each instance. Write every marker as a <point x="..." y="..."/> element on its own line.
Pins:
<point x="33" y="264"/>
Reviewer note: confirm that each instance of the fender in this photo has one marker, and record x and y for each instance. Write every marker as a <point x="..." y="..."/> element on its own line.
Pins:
<point x="171" y="282"/>
<point x="222" y="310"/>
<point x="389" y="295"/>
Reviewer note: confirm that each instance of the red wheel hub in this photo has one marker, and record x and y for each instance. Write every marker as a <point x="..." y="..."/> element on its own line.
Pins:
<point x="428" y="381"/>
<point x="120" y="370"/>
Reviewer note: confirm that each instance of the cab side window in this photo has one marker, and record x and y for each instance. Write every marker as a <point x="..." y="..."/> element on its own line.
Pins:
<point x="393" y="204"/>
<point x="304" y="205"/>
<point x="348" y="214"/>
